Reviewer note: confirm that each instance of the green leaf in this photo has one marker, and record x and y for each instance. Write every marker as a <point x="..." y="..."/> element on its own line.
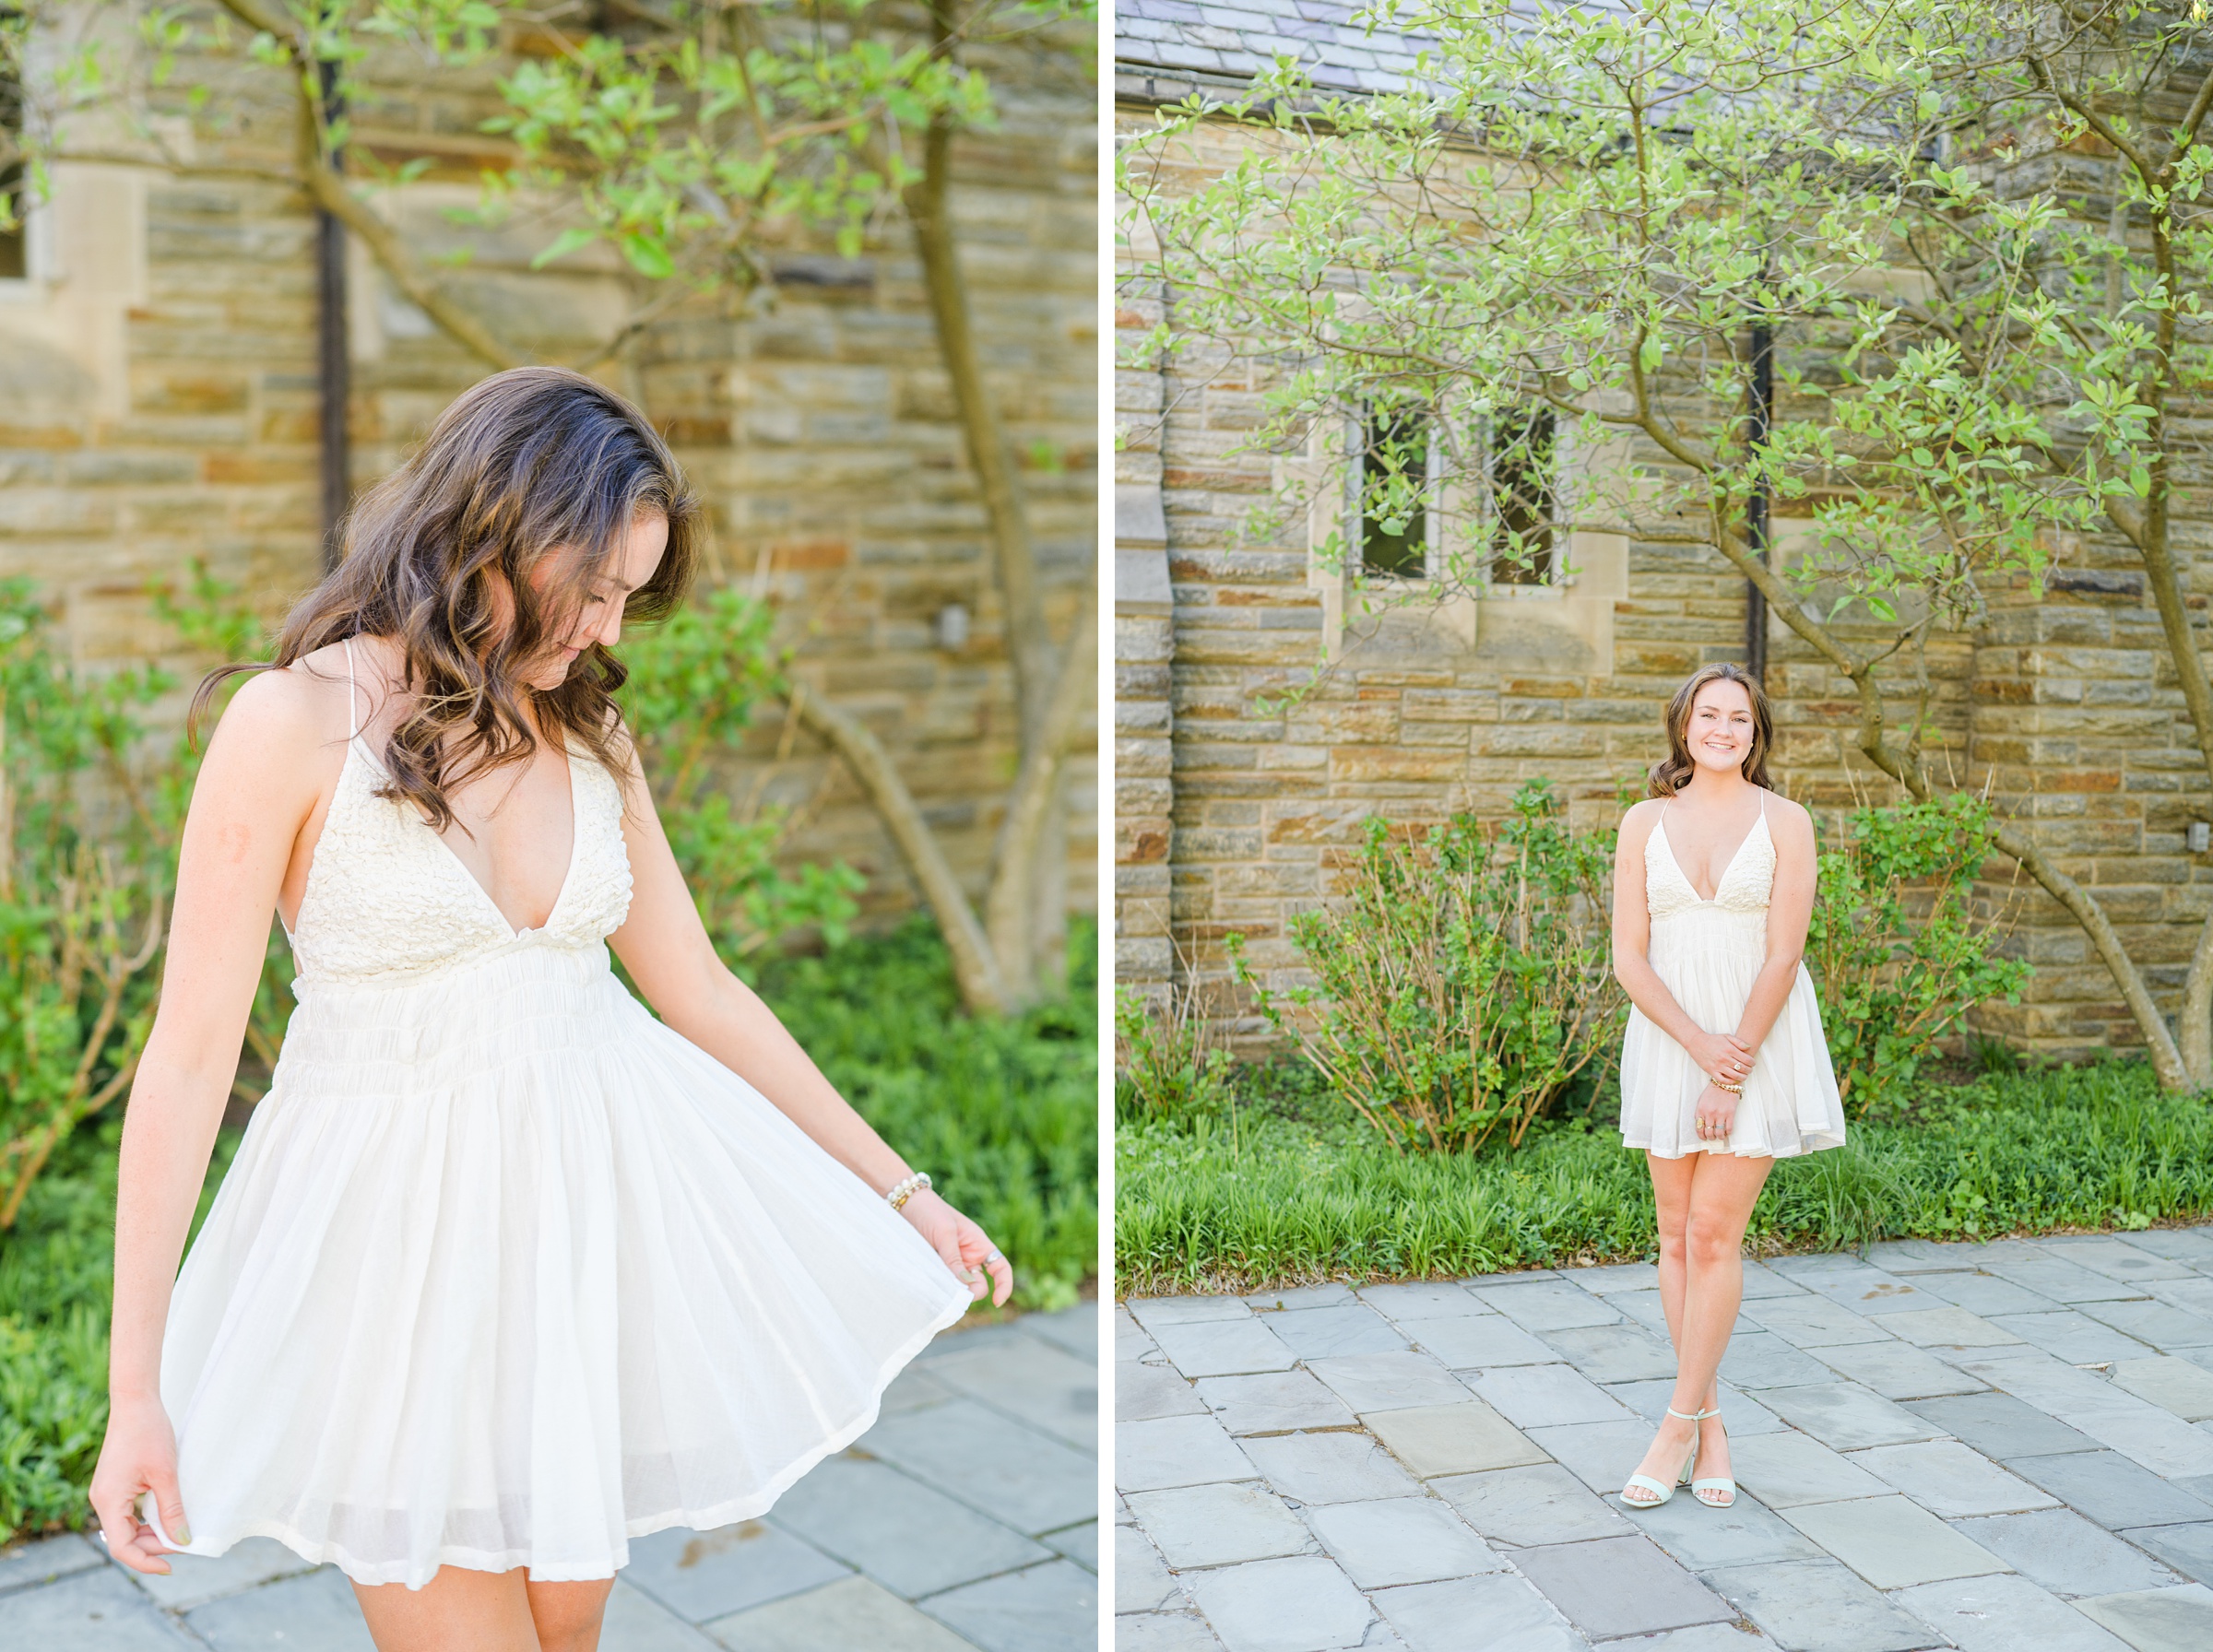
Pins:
<point x="648" y="255"/>
<point x="567" y="242"/>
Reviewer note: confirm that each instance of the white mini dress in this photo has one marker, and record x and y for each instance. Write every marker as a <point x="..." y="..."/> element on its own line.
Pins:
<point x="506" y="1272"/>
<point x="1708" y="953"/>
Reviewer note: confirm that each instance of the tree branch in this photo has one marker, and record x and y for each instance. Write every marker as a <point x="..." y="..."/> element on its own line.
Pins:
<point x="982" y="989"/>
<point x="1011" y="904"/>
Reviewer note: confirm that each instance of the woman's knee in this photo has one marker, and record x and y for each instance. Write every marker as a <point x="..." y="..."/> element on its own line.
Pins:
<point x="568" y="1615"/>
<point x="1710" y="1238"/>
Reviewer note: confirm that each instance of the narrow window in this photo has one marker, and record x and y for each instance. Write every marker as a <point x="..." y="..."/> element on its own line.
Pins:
<point x="1521" y="497"/>
<point x="14" y="197"/>
<point x="1394" y="531"/>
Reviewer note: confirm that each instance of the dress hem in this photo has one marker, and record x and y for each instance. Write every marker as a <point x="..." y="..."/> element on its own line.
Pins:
<point x="479" y="1560"/>
<point x="1800" y="1151"/>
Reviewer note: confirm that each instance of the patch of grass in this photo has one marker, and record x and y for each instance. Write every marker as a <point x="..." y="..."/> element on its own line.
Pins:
<point x="1304" y="1198"/>
<point x="1003" y="1113"/>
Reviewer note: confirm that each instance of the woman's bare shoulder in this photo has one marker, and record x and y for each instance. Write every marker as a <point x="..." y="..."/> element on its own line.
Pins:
<point x="1788" y="810"/>
<point x="1637" y="823"/>
<point x="288" y="713"/>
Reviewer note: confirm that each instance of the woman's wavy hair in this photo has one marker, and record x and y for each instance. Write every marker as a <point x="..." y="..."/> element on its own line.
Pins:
<point x="1668" y="775"/>
<point x="527" y="462"/>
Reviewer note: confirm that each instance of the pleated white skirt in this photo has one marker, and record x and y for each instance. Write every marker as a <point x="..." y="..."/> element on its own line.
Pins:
<point x="506" y="1273"/>
<point x="1709" y="957"/>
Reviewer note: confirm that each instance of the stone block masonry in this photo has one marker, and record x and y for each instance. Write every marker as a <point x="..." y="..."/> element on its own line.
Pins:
<point x="165" y="404"/>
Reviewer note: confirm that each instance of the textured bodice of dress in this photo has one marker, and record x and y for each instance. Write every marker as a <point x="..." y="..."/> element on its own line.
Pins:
<point x="387" y="900"/>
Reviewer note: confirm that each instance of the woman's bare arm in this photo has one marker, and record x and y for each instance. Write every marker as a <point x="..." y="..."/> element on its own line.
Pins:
<point x="667" y="950"/>
<point x="258" y="785"/>
<point x="1789" y="908"/>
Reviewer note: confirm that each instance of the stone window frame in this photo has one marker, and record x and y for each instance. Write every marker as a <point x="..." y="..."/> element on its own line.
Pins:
<point x="1331" y="467"/>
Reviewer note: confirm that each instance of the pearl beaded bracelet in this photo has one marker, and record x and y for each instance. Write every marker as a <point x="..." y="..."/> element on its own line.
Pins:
<point x="905" y="1190"/>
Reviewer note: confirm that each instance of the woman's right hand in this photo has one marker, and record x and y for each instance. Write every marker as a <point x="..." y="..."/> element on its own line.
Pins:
<point x="1721" y="1056"/>
<point x="139" y="1454"/>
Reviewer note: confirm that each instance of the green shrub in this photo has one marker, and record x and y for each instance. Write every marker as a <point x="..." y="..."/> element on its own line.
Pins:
<point x="1170" y="1066"/>
<point x="696" y="683"/>
<point x="82" y="897"/>
<point x="56" y="1278"/>
<point x="1895" y="947"/>
<point x="1462" y="984"/>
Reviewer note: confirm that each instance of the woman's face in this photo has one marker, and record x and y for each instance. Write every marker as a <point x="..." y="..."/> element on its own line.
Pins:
<point x="1719" y="729"/>
<point x="599" y="618"/>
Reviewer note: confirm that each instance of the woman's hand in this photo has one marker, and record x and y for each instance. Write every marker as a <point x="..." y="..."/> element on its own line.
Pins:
<point x="962" y="1246"/>
<point x="139" y="1454"/>
<point x="1717" y="1113"/>
<point x="1721" y="1056"/>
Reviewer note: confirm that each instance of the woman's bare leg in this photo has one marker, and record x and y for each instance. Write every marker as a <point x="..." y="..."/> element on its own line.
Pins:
<point x="568" y="1614"/>
<point x="1704" y="1202"/>
<point x="461" y="1611"/>
<point x="457" y="1611"/>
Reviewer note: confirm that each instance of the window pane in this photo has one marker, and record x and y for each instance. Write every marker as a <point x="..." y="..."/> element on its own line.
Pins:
<point x="1522" y="503"/>
<point x="1398" y="444"/>
<point x="12" y="192"/>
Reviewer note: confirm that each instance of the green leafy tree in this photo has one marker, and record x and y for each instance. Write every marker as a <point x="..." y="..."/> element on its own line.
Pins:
<point x="690" y="138"/>
<point x="1979" y="235"/>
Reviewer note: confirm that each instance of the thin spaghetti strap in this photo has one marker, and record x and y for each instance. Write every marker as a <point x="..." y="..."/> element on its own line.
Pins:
<point x="352" y="730"/>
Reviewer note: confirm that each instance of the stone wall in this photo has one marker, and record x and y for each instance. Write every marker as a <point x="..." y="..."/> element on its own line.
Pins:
<point x="2063" y="708"/>
<point x="159" y="400"/>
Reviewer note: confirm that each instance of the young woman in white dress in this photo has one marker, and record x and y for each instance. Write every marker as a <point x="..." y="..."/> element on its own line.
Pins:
<point x="1724" y="1067"/>
<point x="506" y="1272"/>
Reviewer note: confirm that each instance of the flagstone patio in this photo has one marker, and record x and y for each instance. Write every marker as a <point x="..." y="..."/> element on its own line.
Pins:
<point x="1992" y="1448"/>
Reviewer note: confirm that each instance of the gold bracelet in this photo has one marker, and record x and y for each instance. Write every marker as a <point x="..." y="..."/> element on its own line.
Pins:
<point x="1726" y="1088"/>
<point x="905" y="1190"/>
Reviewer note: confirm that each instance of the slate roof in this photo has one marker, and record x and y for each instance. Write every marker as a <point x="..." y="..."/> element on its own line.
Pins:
<point x="1216" y="42"/>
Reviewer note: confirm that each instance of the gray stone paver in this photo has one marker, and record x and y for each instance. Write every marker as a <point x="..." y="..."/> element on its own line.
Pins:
<point x="1970" y="1446"/>
<point x="1898" y="1370"/>
<point x="2177" y="1620"/>
<point x="2059" y="1549"/>
<point x="884" y="1548"/>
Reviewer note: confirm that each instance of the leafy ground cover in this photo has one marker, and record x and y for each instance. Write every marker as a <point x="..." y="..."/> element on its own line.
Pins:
<point x="1002" y="1112"/>
<point x="1286" y="1188"/>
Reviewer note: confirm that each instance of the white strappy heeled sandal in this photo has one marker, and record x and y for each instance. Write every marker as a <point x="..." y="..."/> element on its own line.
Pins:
<point x="1660" y="1494"/>
<point x="1713" y="1483"/>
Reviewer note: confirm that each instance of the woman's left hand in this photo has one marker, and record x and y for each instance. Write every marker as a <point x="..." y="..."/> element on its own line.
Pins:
<point x="1717" y="1113"/>
<point x="962" y="1246"/>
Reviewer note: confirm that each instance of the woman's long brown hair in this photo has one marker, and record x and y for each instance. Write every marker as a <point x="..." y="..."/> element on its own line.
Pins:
<point x="526" y="463"/>
<point x="1668" y="776"/>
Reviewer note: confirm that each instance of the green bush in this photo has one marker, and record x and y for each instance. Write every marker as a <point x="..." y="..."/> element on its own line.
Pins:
<point x="86" y="860"/>
<point x="1895" y="946"/>
<point x="1168" y="1064"/>
<point x="1461" y="983"/>
<point x="2095" y="1147"/>
<point x="696" y="683"/>
<point x="56" y="1282"/>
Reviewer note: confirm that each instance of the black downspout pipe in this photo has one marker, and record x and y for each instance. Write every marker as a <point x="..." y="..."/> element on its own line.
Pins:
<point x="1756" y="507"/>
<point x="330" y="325"/>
